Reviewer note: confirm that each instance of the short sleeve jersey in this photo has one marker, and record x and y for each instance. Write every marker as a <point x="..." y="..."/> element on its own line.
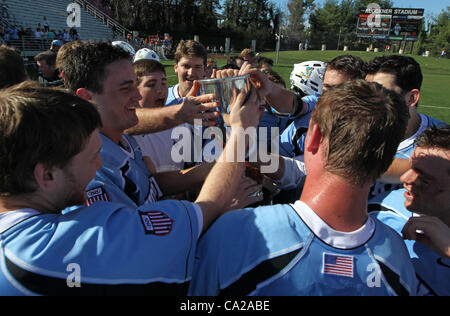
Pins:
<point x="288" y="250"/>
<point x="104" y="249"/>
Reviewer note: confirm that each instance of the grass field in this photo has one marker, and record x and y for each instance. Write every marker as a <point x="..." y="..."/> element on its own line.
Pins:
<point x="435" y="92"/>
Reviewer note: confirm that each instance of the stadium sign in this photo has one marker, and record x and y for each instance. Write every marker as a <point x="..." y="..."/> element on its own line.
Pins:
<point x="394" y="23"/>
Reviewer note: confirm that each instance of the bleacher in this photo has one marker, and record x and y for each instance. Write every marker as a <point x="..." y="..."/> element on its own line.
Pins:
<point x="94" y="25"/>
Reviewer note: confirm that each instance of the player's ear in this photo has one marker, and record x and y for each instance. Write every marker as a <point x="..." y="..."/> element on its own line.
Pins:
<point x="314" y="139"/>
<point x="45" y="177"/>
<point x="84" y="93"/>
<point x="412" y="97"/>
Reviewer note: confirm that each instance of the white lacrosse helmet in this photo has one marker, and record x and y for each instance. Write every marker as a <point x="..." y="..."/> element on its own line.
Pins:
<point x="307" y="77"/>
<point x="146" y="53"/>
<point x="125" y="46"/>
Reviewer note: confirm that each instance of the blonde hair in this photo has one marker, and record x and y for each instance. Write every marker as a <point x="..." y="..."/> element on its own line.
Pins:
<point x="190" y="48"/>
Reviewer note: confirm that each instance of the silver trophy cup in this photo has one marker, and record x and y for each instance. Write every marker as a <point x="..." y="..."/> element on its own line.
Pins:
<point x="226" y="91"/>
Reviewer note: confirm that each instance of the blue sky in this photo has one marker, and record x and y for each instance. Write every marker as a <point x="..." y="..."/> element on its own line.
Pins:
<point x="433" y="7"/>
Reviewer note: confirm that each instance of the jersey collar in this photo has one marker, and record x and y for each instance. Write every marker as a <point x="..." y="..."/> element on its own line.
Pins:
<point x="410" y="141"/>
<point x="334" y="238"/>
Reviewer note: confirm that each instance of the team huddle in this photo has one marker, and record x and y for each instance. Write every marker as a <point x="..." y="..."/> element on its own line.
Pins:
<point x="92" y="201"/>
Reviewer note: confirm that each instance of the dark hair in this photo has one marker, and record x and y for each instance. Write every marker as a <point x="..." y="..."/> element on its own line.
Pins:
<point x="62" y="52"/>
<point x="145" y="66"/>
<point x="49" y="57"/>
<point x="231" y="60"/>
<point x="230" y="66"/>
<point x="40" y="125"/>
<point x="86" y="63"/>
<point x="435" y="137"/>
<point x="407" y="72"/>
<point x="363" y="123"/>
<point x="12" y="68"/>
<point x="353" y="66"/>
<point x="263" y="60"/>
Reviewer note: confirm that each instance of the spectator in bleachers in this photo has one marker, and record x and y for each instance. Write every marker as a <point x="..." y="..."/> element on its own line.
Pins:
<point x="21" y="32"/>
<point x="74" y="34"/>
<point x="60" y="35"/>
<point x="4" y="8"/>
<point x="66" y="36"/>
<point x="46" y="24"/>
<point x="51" y="35"/>
<point x="29" y="31"/>
<point x="12" y="68"/>
<point x="6" y="36"/>
<point x="13" y="32"/>
<point x="48" y="74"/>
<point x="44" y="35"/>
<point x="38" y="33"/>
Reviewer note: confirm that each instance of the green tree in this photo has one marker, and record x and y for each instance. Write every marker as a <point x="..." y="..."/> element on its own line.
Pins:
<point x="252" y="19"/>
<point x="295" y="29"/>
<point x="439" y="36"/>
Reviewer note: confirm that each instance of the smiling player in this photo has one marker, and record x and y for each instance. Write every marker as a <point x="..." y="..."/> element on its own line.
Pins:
<point x="424" y="204"/>
<point x="104" y="75"/>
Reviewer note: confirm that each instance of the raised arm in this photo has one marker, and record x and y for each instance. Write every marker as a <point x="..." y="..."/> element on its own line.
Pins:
<point x="282" y="100"/>
<point x="219" y="188"/>
<point x="152" y="120"/>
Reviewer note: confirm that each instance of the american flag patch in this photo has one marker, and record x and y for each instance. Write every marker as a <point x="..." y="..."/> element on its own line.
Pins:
<point x="338" y="265"/>
<point x="156" y="223"/>
<point x="96" y="194"/>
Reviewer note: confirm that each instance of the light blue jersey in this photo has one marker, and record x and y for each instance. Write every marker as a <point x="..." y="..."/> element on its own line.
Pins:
<point x="173" y="97"/>
<point x="104" y="249"/>
<point x="289" y="250"/>
<point x="292" y="140"/>
<point x="432" y="270"/>
<point x="124" y="177"/>
<point x="404" y="151"/>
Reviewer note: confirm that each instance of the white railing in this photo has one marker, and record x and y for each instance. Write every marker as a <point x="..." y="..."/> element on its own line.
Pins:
<point x="106" y="19"/>
<point x="30" y="44"/>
